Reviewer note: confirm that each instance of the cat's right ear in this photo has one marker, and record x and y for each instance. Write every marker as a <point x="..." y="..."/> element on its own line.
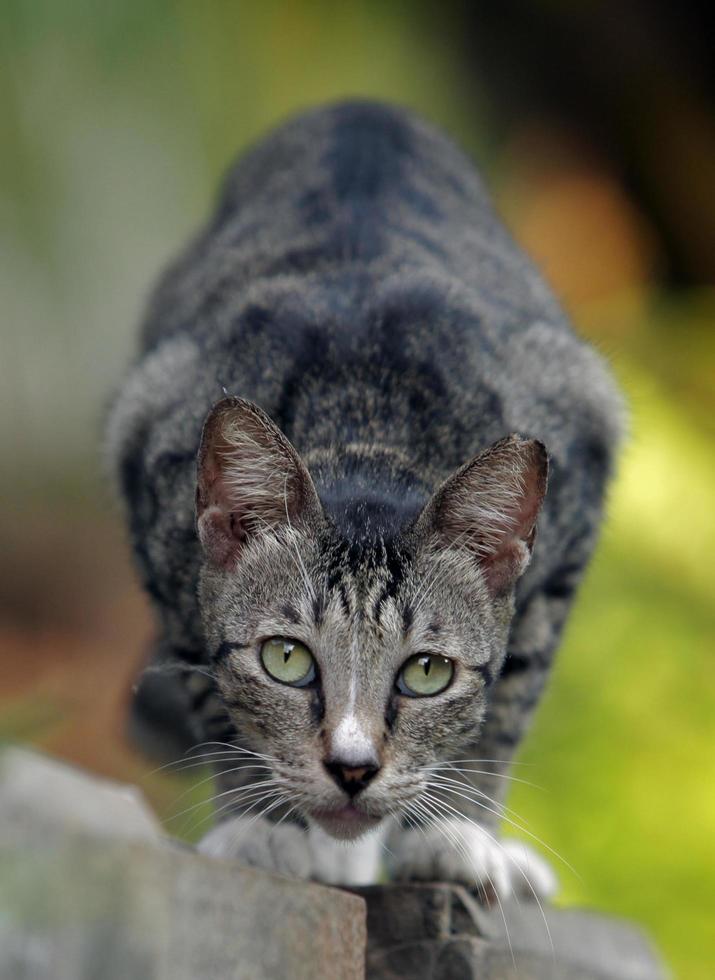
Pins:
<point x="250" y="481"/>
<point x="489" y="507"/>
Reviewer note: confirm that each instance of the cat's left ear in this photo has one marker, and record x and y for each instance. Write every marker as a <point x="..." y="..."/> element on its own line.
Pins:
<point x="489" y="508"/>
<point x="250" y="481"/>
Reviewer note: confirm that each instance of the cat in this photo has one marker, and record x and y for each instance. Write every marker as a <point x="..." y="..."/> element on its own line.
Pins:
<point x="333" y="449"/>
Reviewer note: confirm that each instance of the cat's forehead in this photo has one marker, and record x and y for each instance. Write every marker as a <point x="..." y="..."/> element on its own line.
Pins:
<point x="387" y="602"/>
<point x="368" y="578"/>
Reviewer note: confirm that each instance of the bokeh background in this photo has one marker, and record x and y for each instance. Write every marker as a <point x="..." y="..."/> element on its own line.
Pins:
<point x="594" y="125"/>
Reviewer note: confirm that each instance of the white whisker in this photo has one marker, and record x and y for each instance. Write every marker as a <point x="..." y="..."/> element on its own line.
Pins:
<point x="501" y="762"/>
<point x="486" y="772"/>
<point x="217" y="775"/>
<point x="520" y="828"/>
<point x="501" y="809"/>
<point x="236" y="792"/>
<point x="250" y="799"/>
<point x="444" y="806"/>
<point x="426" y="800"/>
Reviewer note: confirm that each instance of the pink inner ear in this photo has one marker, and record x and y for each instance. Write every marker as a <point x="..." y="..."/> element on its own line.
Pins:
<point x="490" y="507"/>
<point x="504" y="567"/>
<point x="216" y="520"/>
<point x="216" y="533"/>
<point x="250" y="479"/>
<point x="505" y="562"/>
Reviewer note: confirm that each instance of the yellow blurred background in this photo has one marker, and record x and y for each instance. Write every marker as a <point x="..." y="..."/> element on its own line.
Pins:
<point x="596" y="133"/>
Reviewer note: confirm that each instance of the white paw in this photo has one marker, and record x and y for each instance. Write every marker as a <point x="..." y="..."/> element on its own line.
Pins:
<point x="281" y="848"/>
<point x="531" y="875"/>
<point x="461" y="851"/>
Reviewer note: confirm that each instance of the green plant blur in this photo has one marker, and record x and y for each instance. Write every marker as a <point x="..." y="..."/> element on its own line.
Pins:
<point x="120" y="118"/>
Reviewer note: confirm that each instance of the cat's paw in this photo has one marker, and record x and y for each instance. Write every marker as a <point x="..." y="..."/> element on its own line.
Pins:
<point x="281" y="848"/>
<point x="531" y="876"/>
<point x="461" y="851"/>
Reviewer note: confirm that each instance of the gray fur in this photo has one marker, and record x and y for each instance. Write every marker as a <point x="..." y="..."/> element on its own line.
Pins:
<point x="356" y="284"/>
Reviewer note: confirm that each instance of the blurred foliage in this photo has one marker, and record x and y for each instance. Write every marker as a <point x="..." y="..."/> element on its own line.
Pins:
<point x="596" y="134"/>
<point x="624" y="739"/>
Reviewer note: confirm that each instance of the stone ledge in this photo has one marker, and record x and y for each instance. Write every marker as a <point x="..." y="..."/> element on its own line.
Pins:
<point x="82" y="900"/>
<point x="91" y="890"/>
<point x="439" y="932"/>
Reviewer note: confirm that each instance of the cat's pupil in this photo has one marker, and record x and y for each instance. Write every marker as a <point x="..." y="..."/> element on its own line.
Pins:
<point x="427" y="665"/>
<point x="286" y="654"/>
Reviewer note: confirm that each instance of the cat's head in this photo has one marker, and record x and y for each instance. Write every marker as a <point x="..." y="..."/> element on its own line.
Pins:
<point x="353" y="664"/>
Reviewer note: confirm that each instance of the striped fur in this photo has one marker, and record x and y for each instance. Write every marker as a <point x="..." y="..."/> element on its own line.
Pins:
<point x="355" y="283"/>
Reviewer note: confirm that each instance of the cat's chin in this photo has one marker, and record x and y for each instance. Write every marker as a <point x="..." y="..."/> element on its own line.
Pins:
<point x="345" y="823"/>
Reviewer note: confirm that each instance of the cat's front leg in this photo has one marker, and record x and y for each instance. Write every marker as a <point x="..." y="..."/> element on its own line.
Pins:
<point x="258" y="843"/>
<point x="464" y="852"/>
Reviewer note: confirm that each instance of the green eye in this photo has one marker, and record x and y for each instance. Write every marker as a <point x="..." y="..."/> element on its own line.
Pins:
<point x="288" y="661"/>
<point x="425" y="674"/>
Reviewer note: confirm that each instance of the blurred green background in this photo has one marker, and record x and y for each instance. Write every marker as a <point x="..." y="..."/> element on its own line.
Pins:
<point x="594" y="125"/>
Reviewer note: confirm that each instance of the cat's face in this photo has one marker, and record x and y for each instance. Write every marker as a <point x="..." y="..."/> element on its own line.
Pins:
<point x="354" y="667"/>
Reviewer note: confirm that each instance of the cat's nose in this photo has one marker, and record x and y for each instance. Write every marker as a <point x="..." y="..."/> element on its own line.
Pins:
<point x="353" y="778"/>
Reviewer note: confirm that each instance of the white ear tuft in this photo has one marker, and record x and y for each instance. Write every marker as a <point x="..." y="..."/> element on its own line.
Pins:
<point x="490" y="506"/>
<point x="250" y="480"/>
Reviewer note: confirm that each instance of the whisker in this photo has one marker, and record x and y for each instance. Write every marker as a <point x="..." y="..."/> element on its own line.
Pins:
<point x="207" y="763"/>
<point x="237" y="792"/>
<point x="392" y="812"/>
<point x="282" y="798"/>
<point x="501" y="809"/>
<point x="250" y="799"/>
<point x="501" y="762"/>
<point x="486" y="772"/>
<point x="449" y="808"/>
<point x="238" y="748"/>
<point x="495" y="892"/>
<point x="217" y="775"/>
<point x="184" y="762"/>
<point x="193" y="757"/>
<point x="286" y="814"/>
<point x="462" y="848"/>
<point x="521" y="828"/>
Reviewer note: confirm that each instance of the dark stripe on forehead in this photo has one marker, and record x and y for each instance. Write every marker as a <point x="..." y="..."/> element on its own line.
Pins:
<point x="387" y="592"/>
<point x="290" y="612"/>
<point x="344" y="598"/>
<point x="407" y="618"/>
<point x="318" y="609"/>
<point x="356" y="564"/>
<point x="391" y="566"/>
<point x="334" y="583"/>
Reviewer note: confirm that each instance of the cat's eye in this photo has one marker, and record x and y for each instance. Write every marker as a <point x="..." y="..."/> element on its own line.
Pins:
<point x="424" y="674"/>
<point x="288" y="661"/>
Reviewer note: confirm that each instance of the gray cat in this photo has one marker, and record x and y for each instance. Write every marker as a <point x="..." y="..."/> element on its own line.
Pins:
<point x="342" y="552"/>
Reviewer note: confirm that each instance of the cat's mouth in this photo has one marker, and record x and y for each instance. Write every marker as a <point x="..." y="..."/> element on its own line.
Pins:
<point x="346" y="822"/>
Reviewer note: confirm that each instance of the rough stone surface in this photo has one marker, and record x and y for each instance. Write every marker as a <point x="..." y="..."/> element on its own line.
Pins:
<point x="440" y="932"/>
<point x="58" y="799"/>
<point x="94" y="901"/>
<point x="90" y="890"/>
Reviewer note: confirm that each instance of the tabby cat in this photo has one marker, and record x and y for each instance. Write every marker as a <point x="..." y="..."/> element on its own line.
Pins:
<point x="333" y="451"/>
